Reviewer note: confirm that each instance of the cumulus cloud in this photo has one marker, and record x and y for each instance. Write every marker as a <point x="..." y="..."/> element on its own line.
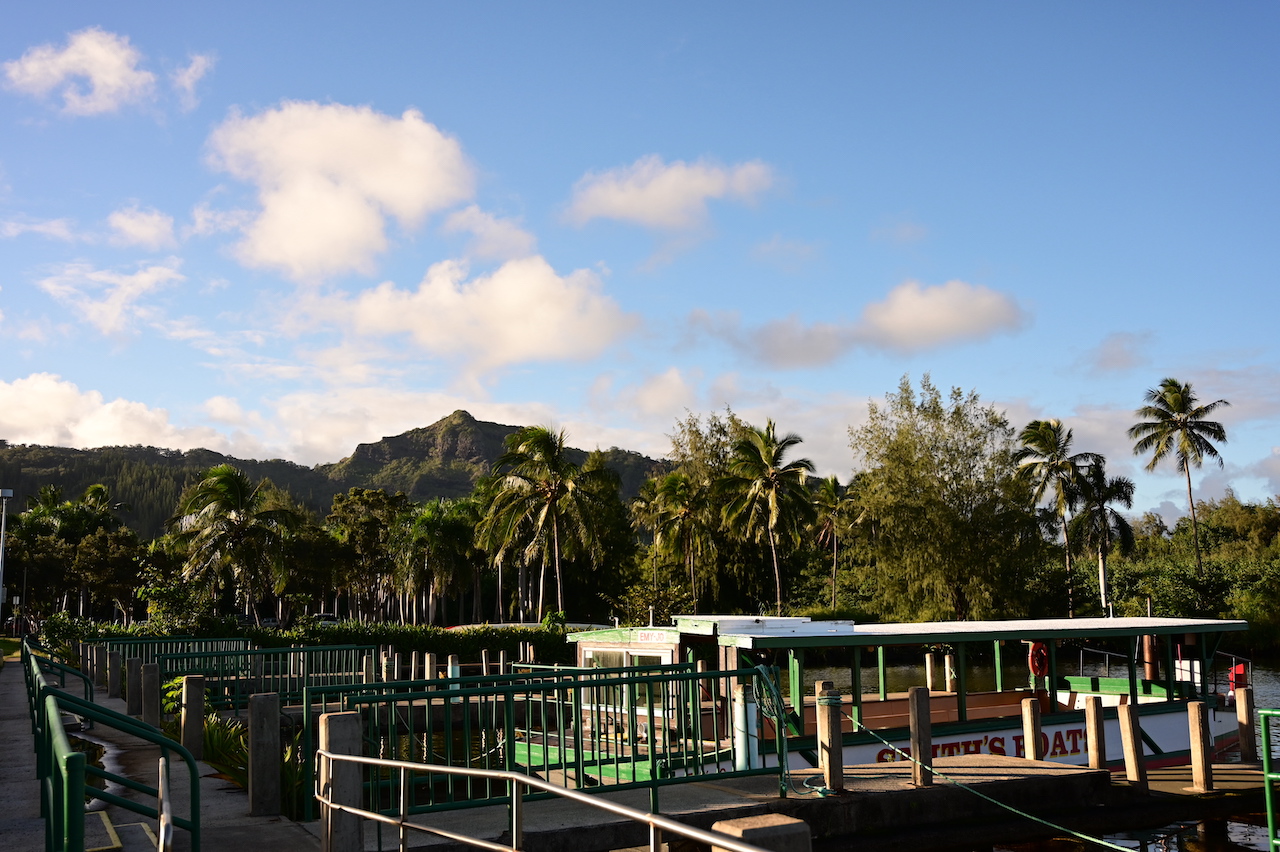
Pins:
<point x="108" y="300"/>
<point x="665" y="196"/>
<point x="492" y="238"/>
<point x="1118" y="351"/>
<point x="148" y="228"/>
<point x="328" y="177"/>
<point x="206" y="221"/>
<point x="184" y="79"/>
<point x="43" y="408"/>
<point x="54" y="229"/>
<point x="97" y="72"/>
<point x="523" y="311"/>
<point x="912" y="318"/>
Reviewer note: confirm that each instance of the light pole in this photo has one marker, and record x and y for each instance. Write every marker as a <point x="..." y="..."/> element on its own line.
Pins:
<point x="5" y="494"/>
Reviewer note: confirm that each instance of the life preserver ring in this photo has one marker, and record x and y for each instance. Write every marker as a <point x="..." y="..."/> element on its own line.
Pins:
<point x="1038" y="659"/>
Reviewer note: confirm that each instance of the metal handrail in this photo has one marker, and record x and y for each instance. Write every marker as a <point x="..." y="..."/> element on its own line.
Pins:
<point x="164" y="826"/>
<point x="1269" y="777"/>
<point x="657" y="823"/>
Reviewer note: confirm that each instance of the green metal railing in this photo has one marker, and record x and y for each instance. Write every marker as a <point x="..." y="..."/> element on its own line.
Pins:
<point x="148" y="650"/>
<point x="39" y="662"/>
<point x="232" y="676"/>
<point x="62" y="771"/>
<point x="336" y="697"/>
<point x="1270" y="776"/>
<point x="582" y="729"/>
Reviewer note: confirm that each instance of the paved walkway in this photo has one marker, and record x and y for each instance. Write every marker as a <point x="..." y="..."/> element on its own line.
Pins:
<point x="21" y="828"/>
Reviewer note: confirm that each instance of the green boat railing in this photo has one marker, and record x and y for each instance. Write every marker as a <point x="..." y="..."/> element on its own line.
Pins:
<point x="1270" y="775"/>
<point x="232" y="676"/>
<point x="62" y="771"/>
<point x="582" y="729"/>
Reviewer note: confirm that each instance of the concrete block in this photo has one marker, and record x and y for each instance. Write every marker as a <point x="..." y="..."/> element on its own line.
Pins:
<point x="776" y="832"/>
<point x="265" y="754"/>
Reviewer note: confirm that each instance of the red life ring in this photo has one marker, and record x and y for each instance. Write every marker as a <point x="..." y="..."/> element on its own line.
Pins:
<point x="1038" y="659"/>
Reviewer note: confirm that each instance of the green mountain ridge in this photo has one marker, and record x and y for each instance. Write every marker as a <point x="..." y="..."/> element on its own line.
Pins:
<point x="444" y="459"/>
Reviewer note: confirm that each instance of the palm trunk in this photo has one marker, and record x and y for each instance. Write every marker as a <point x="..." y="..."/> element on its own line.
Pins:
<point x="555" y="536"/>
<point x="1195" y="526"/>
<point x="1066" y="545"/>
<point x="835" y="557"/>
<point x="777" y="573"/>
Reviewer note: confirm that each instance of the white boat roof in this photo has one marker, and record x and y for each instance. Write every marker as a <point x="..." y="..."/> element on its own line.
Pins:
<point x="796" y="632"/>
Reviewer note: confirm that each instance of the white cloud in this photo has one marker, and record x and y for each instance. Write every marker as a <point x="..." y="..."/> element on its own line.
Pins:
<point x="107" y="62"/>
<point x="206" y="221"/>
<point x="105" y="299"/>
<point x="328" y="176"/>
<point x="789" y="256"/>
<point x="495" y="238"/>
<point x="54" y="229"/>
<point x="1118" y="351"/>
<point x="914" y="317"/>
<point x="667" y="196"/>
<point x="664" y="395"/>
<point x="184" y="80"/>
<point x="45" y="409"/>
<point x="148" y="228"/>
<point x="523" y="311"/>
<point x="911" y="318"/>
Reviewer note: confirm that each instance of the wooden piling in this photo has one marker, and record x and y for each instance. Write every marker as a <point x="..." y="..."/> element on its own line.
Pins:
<point x="921" y="736"/>
<point x="339" y="831"/>
<point x="1245" y="724"/>
<point x="113" y="674"/>
<point x="931" y="671"/>
<point x="1095" y="731"/>
<point x="1201" y="747"/>
<point x="1032" y="745"/>
<point x="264" y="754"/>
<point x="1135" y="765"/>
<point x="192" y="722"/>
<point x="133" y="687"/>
<point x="151" y="694"/>
<point x="830" y="739"/>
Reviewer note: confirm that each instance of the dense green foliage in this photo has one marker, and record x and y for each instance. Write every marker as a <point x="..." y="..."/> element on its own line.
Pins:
<point x="951" y="513"/>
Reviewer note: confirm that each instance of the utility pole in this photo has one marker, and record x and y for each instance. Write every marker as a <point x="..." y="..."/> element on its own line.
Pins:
<point x="5" y="494"/>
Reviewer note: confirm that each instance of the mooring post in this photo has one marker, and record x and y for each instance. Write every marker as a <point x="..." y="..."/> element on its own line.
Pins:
<point x="949" y="671"/>
<point x="100" y="664"/>
<point x="413" y="665"/>
<point x="151" y="694"/>
<point x="340" y="783"/>
<point x="746" y="734"/>
<point x="830" y="741"/>
<point x="921" y="735"/>
<point x="1032" y="746"/>
<point x="133" y="687"/>
<point x="484" y="662"/>
<point x="1095" y="732"/>
<point x="1201" y="747"/>
<point x="264" y="754"/>
<point x="113" y="674"/>
<point x="503" y="666"/>
<point x="1135" y="767"/>
<point x="930" y="671"/>
<point x="192" y="724"/>
<point x="429" y="670"/>
<point x="1245" y="724"/>
<point x="370" y="674"/>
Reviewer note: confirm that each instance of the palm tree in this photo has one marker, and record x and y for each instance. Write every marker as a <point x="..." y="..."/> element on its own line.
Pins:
<point x="232" y="527"/>
<point x="1046" y="461"/>
<point x="831" y="509"/>
<point x="680" y="522"/>
<point x="542" y="500"/>
<point x="1175" y="425"/>
<point x="766" y="493"/>
<point x="1099" y="525"/>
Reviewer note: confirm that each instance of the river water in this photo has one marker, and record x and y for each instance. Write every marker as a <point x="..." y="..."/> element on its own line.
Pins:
<point x="1244" y="831"/>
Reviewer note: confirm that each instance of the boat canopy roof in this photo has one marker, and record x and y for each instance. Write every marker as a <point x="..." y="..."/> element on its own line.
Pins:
<point x="799" y="632"/>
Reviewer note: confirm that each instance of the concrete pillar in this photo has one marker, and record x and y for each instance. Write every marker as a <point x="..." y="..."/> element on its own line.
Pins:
<point x="113" y="674"/>
<point x="503" y="666"/>
<point x="921" y="735"/>
<point x="1135" y="765"/>
<point x="429" y="668"/>
<point x="1095" y="732"/>
<point x="192" y="724"/>
<point x="931" y="678"/>
<point x="151" y="694"/>
<point x="370" y="673"/>
<point x="265" y="754"/>
<point x="100" y="664"/>
<point x="340" y="783"/>
<point x="1201" y="747"/>
<point x="484" y="662"/>
<point x="413" y="666"/>
<point x="1031" y="729"/>
<point x="746" y="734"/>
<point x="775" y="832"/>
<point x="949" y="669"/>
<point x="1245" y="725"/>
<point x="133" y="687"/>
<point x="830" y="741"/>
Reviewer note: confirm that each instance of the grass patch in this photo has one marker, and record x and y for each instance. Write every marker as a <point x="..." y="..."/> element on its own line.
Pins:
<point x="10" y="647"/>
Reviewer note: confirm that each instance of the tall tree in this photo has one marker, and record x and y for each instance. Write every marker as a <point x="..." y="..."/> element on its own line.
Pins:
<point x="681" y="522"/>
<point x="1177" y="426"/>
<point x="766" y="491"/>
<point x="541" y="503"/>
<point x="1099" y="525"/>
<point x="831" y="520"/>
<point x="233" y="530"/>
<point x="1046" y="461"/>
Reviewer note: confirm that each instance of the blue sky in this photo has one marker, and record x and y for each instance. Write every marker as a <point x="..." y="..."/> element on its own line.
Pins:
<point x="280" y="230"/>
